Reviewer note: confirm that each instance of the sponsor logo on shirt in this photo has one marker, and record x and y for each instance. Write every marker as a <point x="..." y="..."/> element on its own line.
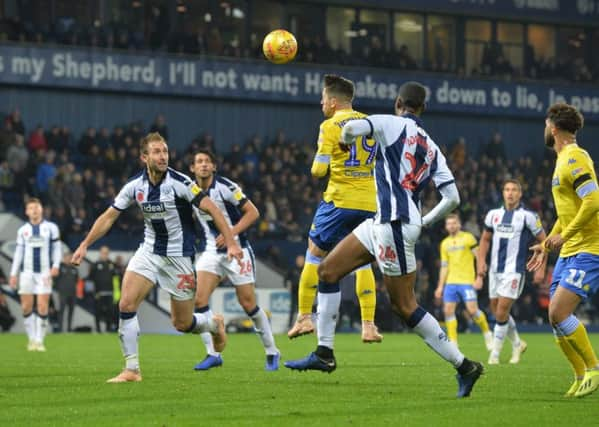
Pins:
<point x="153" y="207"/>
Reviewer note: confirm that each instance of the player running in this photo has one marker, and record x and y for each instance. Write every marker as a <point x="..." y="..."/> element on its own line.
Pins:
<point x="508" y="231"/>
<point x="576" y="236"/>
<point x="212" y="265"/>
<point x="407" y="159"/>
<point x="456" y="279"/>
<point x="165" y="197"/>
<point x="36" y="260"/>
<point x="348" y="200"/>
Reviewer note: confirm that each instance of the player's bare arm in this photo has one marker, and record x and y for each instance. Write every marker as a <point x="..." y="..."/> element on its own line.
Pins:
<point x="250" y="215"/>
<point x="481" y="258"/>
<point x="441" y="283"/>
<point x="99" y="229"/>
<point x="233" y="249"/>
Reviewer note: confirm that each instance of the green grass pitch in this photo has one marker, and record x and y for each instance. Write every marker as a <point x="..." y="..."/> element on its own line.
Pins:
<point x="399" y="382"/>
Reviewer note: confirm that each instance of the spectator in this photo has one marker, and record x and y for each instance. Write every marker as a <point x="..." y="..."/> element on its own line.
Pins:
<point x="160" y="126"/>
<point x="106" y="278"/>
<point x="495" y="148"/>
<point x="17" y="122"/>
<point x="66" y="285"/>
<point x="37" y="140"/>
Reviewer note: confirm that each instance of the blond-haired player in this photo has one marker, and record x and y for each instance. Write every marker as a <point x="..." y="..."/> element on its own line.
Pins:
<point x="36" y="260"/>
<point x="166" y="198"/>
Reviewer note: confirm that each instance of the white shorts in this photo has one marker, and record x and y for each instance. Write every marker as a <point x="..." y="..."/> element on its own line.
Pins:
<point x="217" y="263"/>
<point x="35" y="283"/>
<point x="174" y="274"/>
<point x="392" y="244"/>
<point x="507" y="285"/>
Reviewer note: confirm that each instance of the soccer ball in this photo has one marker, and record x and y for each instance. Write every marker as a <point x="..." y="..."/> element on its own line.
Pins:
<point x="279" y="46"/>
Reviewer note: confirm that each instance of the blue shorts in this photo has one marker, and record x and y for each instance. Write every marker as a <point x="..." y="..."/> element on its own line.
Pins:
<point x="332" y="224"/>
<point x="578" y="273"/>
<point x="457" y="293"/>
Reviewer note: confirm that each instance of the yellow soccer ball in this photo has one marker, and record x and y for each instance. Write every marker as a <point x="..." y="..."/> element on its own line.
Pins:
<point x="279" y="46"/>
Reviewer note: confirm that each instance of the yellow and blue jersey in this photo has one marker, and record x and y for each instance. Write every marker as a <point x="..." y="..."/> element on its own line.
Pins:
<point x="351" y="179"/>
<point x="574" y="179"/>
<point x="457" y="256"/>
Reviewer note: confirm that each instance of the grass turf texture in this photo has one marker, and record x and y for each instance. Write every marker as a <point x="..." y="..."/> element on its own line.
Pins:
<point x="400" y="382"/>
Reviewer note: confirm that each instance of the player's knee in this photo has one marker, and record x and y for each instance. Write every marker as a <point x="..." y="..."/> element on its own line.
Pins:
<point x="181" y="325"/>
<point x="326" y="273"/>
<point x="126" y="306"/>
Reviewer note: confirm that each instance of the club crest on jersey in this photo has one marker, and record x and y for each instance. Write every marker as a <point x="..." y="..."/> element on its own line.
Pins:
<point x="140" y="196"/>
<point x="576" y="171"/>
<point x="153" y="207"/>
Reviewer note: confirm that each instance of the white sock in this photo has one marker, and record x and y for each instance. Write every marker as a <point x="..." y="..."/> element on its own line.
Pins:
<point x="499" y="334"/>
<point x="29" y="324"/>
<point x="203" y="323"/>
<point x="328" y="311"/>
<point x="264" y="331"/>
<point x="41" y="328"/>
<point x="129" y="335"/>
<point x="430" y="331"/>
<point x="512" y="332"/>
<point x="206" y="337"/>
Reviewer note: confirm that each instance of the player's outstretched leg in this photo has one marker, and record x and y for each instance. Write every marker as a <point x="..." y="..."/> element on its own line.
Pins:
<point x="348" y="255"/>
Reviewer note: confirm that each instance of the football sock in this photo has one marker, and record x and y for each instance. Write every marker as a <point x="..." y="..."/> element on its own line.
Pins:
<point x="29" y="324"/>
<point x="207" y="336"/>
<point x="429" y="330"/>
<point x="263" y="329"/>
<point x="329" y="299"/>
<point x="308" y="284"/>
<point x="129" y="335"/>
<point x="573" y="357"/>
<point x="499" y="334"/>
<point x="512" y="332"/>
<point x="451" y="324"/>
<point x="576" y="335"/>
<point x="481" y="320"/>
<point x="41" y="327"/>
<point x="366" y="292"/>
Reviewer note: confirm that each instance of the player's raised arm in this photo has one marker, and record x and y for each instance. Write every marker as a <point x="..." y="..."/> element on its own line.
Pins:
<point x="249" y="211"/>
<point x="99" y="229"/>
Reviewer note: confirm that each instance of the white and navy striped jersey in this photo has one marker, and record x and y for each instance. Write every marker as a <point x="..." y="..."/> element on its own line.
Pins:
<point x="229" y="198"/>
<point x="38" y="248"/>
<point x="513" y="231"/>
<point x="167" y="211"/>
<point x="406" y="160"/>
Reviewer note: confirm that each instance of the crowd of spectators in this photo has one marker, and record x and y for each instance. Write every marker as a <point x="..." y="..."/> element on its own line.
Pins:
<point x="78" y="177"/>
<point x="212" y="39"/>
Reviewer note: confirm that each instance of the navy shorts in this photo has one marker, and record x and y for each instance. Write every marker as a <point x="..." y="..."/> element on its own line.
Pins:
<point x="332" y="224"/>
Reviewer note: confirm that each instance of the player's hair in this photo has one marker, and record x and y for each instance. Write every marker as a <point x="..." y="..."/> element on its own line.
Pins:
<point x="151" y="137"/>
<point x="208" y="153"/>
<point x="565" y="117"/>
<point x="33" y="200"/>
<point x="412" y="95"/>
<point x="512" y="181"/>
<point x="453" y="215"/>
<point x="339" y="86"/>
